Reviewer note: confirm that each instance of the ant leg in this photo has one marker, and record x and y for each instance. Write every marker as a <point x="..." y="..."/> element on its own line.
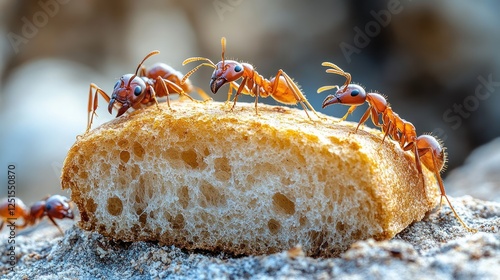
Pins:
<point x="179" y="90"/>
<point x="299" y="96"/>
<point x="202" y="94"/>
<point x="232" y="86"/>
<point x="351" y="109"/>
<point x="26" y="222"/>
<point x="93" y="103"/>
<point x="403" y="139"/>
<point x="363" y="118"/>
<point x="387" y="129"/>
<point x="54" y="222"/>
<point x="375" y="118"/>
<point x="161" y="81"/>
<point x="230" y="92"/>
<point x="153" y="94"/>
<point x="238" y="92"/>
<point x="417" y="152"/>
<point x="443" y="192"/>
<point x="257" y="89"/>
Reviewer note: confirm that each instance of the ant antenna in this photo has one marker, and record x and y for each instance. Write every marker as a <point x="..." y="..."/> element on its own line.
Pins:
<point x="207" y="63"/>
<point x="337" y="70"/>
<point x="192" y="59"/>
<point x="139" y="66"/>
<point x="223" y="43"/>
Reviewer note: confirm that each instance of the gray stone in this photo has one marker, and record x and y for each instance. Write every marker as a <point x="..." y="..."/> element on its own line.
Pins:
<point x="435" y="248"/>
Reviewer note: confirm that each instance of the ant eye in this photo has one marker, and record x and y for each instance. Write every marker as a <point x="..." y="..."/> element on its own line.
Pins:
<point x="48" y="207"/>
<point x="117" y="84"/>
<point x="237" y="68"/>
<point x="137" y="90"/>
<point x="354" y="92"/>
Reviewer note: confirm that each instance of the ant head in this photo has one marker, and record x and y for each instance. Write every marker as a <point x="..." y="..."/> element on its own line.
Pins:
<point x="351" y="94"/>
<point x="129" y="90"/>
<point x="225" y="72"/>
<point x="57" y="206"/>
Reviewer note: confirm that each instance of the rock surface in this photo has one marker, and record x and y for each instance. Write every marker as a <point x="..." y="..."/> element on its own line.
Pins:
<point x="435" y="248"/>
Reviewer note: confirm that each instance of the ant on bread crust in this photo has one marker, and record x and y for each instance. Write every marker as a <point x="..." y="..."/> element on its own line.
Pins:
<point x="142" y="89"/>
<point x="281" y="87"/>
<point x="427" y="149"/>
<point x="54" y="207"/>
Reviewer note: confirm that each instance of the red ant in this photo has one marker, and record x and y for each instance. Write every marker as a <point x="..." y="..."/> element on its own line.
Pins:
<point x="137" y="90"/>
<point x="427" y="149"/>
<point x="54" y="207"/>
<point x="281" y="87"/>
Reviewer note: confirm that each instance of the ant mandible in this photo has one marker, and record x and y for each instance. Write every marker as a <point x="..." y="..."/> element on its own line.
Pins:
<point x="54" y="207"/>
<point x="142" y="88"/>
<point x="426" y="148"/>
<point x="282" y="88"/>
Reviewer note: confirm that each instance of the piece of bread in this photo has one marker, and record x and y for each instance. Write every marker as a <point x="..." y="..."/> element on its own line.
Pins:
<point x="201" y="177"/>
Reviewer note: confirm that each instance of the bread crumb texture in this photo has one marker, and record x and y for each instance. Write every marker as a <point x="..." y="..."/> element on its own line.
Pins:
<point x="202" y="177"/>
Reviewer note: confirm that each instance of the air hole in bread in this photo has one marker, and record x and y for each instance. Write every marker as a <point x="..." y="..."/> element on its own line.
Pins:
<point x="177" y="222"/>
<point x="190" y="158"/>
<point x="135" y="171"/>
<point x="302" y="221"/>
<point x="91" y="206"/>
<point x="283" y="204"/>
<point x="152" y="215"/>
<point x="122" y="143"/>
<point x="124" y="156"/>
<point x="210" y="196"/>
<point x="340" y="227"/>
<point x="316" y="237"/>
<point x="183" y="194"/>
<point x="357" y="234"/>
<point x="115" y="206"/>
<point x="274" y="226"/>
<point x="143" y="218"/>
<point x="138" y="150"/>
<point x="171" y="153"/>
<point x="105" y="168"/>
<point x="222" y="169"/>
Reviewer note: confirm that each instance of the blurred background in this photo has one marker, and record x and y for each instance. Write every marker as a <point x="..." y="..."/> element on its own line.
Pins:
<point x="436" y="61"/>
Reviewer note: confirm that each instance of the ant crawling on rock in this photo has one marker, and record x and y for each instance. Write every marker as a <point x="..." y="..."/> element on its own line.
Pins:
<point x="427" y="149"/>
<point x="142" y="89"/>
<point x="54" y="207"/>
<point x="282" y="88"/>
